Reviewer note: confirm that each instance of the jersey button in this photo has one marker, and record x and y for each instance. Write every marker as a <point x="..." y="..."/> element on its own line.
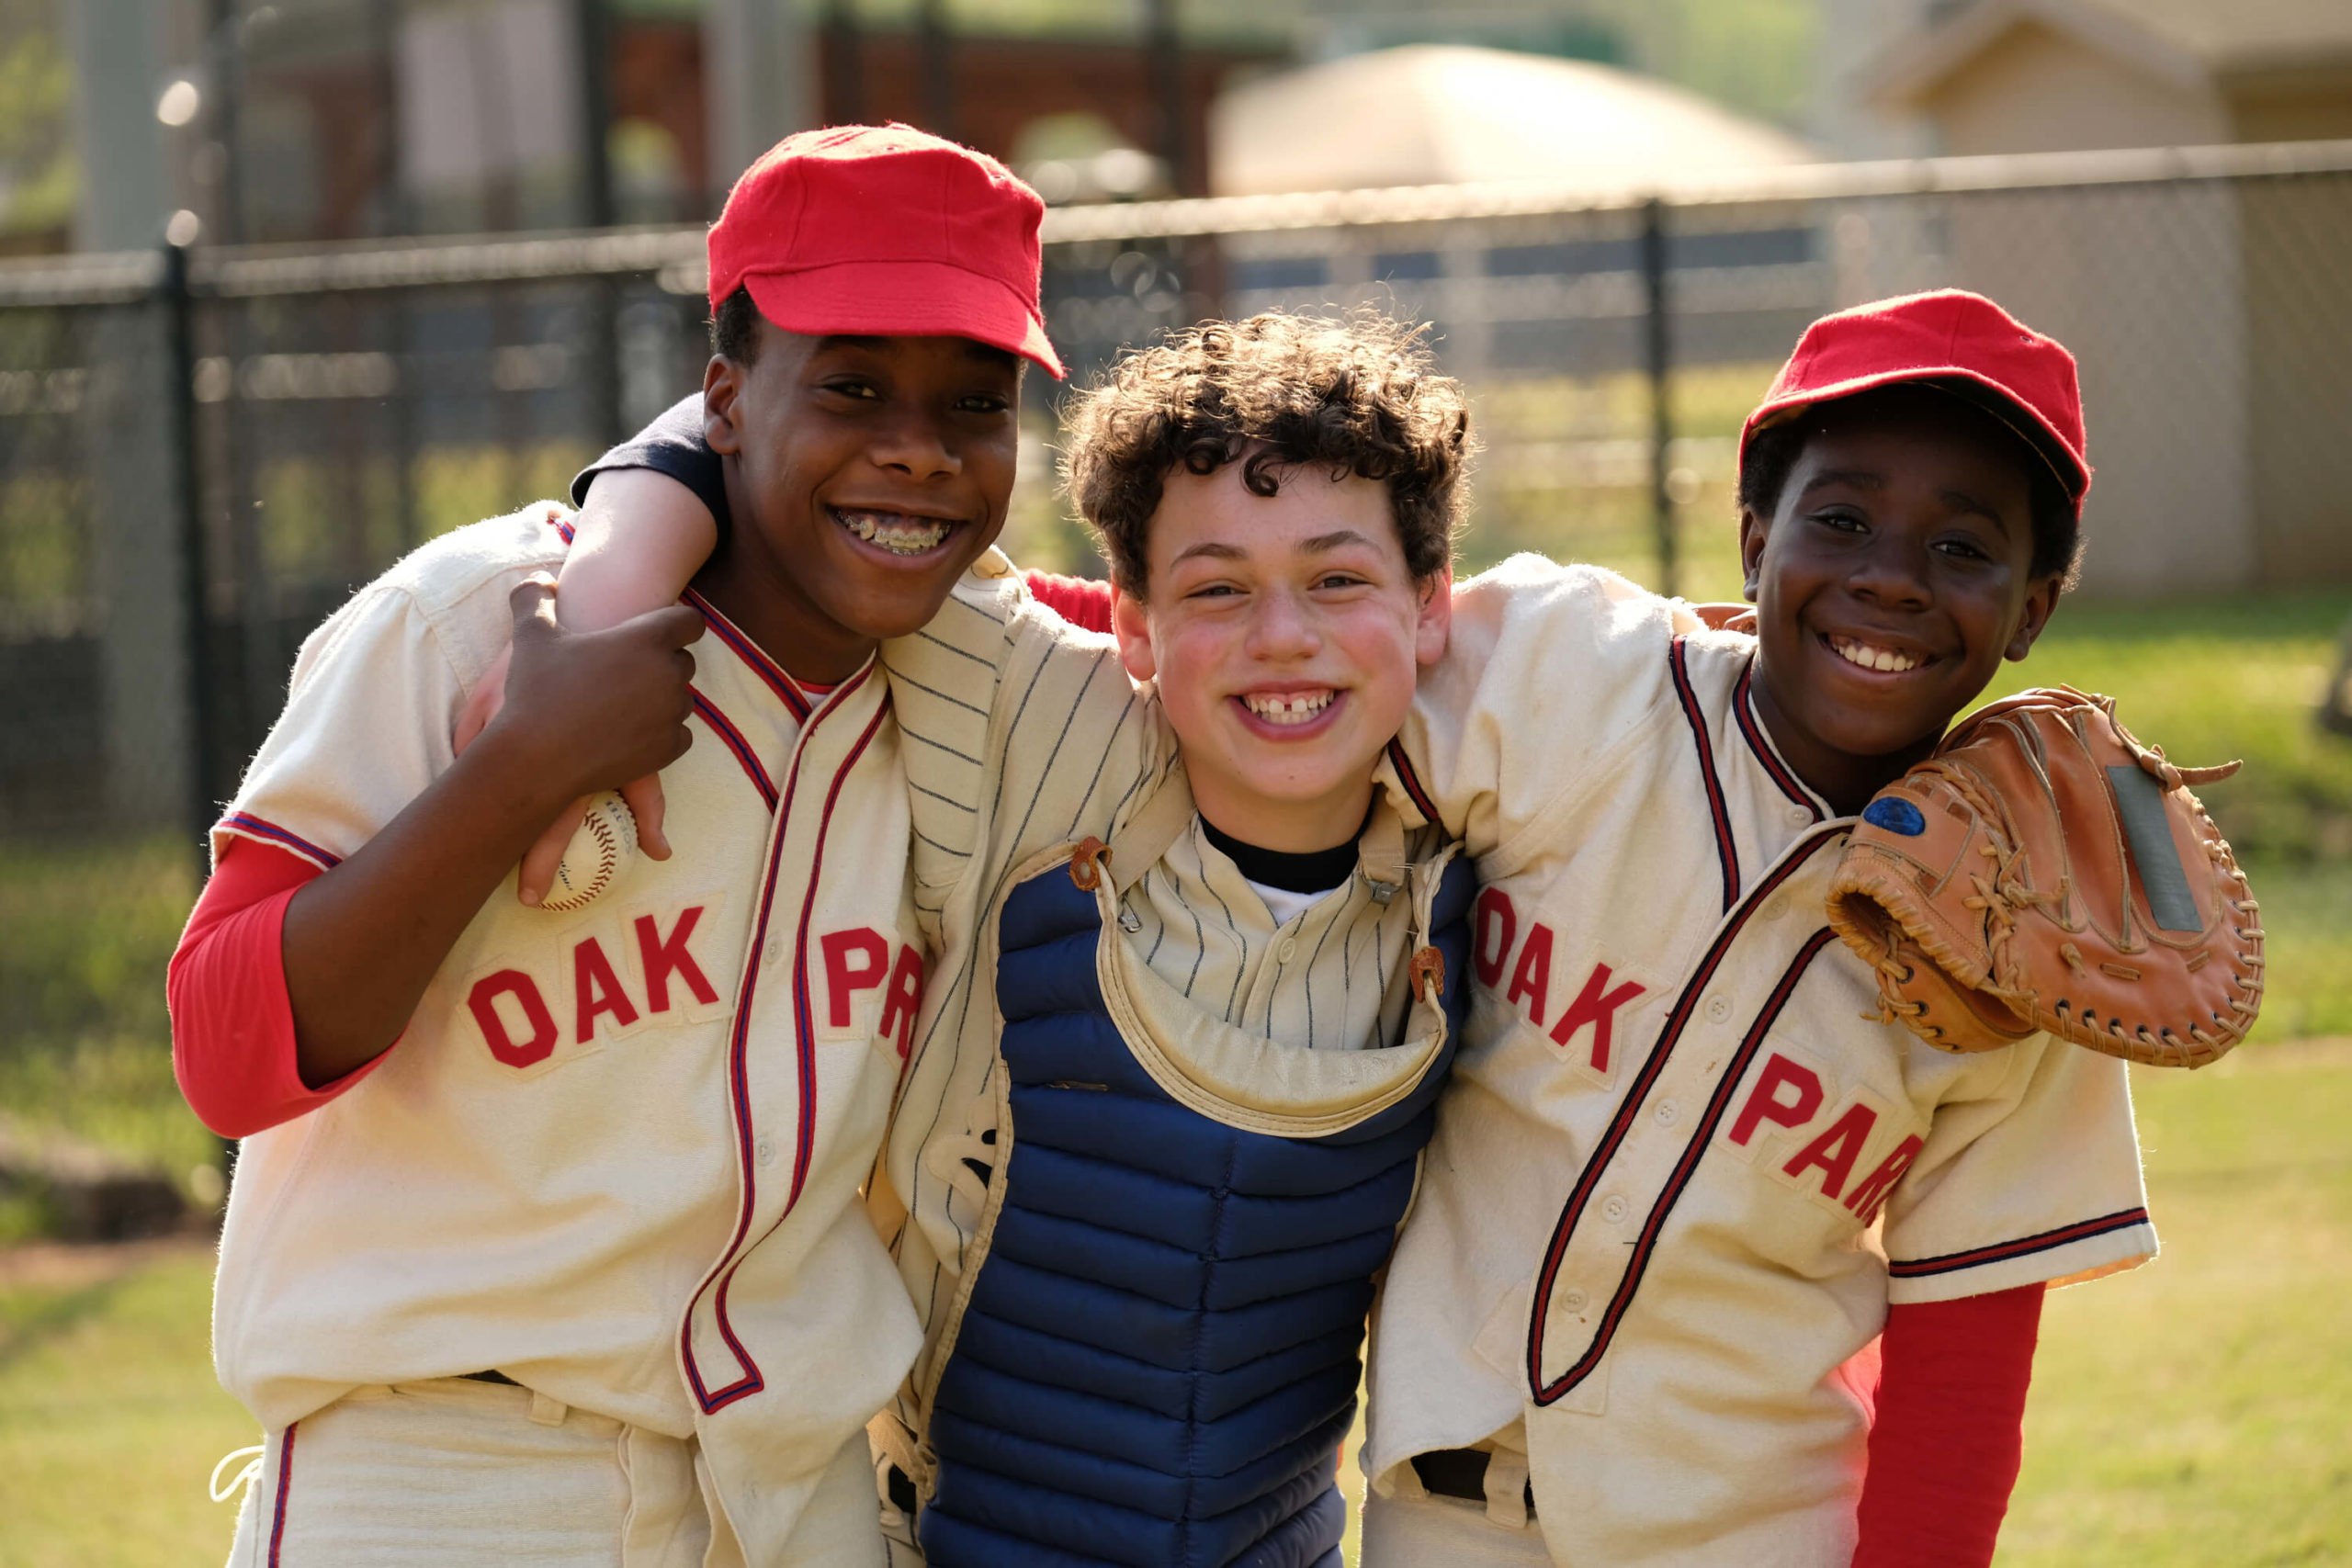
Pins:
<point x="764" y="1151"/>
<point x="1574" y="1300"/>
<point x="1286" y="951"/>
<point x="1799" y="816"/>
<point x="1614" y="1210"/>
<point x="1666" y="1113"/>
<point x="1718" y="1007"/>
<point x="775" y="951"/>
<point x="1775" y="908"/>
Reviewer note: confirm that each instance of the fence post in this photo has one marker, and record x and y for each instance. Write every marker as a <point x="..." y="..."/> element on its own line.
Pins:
<point x="1660" y="366"/>
<point x="179" y="307"/>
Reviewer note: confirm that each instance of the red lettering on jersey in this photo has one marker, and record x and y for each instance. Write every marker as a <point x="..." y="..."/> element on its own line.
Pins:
<point x="483" y="1001"/>
<point x="1532" y="978"/>
<point x="667" y="957"/>
<point x="596" y="990"/>
<point x="1836" y="1150"/>
<point x="903" y="1000"/>
<point x="1871" y="1195"/>
<point x="1596" y="1005"/>
<point x="1496" y="915"/>
<point x="841" y="980"/>
<point x="1765" y="1104"/>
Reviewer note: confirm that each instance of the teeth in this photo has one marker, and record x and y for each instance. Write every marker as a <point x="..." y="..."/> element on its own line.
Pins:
<point x="1292" y="708"/>
<point x="895" y="532"/>
<point x="1884" y="659"/>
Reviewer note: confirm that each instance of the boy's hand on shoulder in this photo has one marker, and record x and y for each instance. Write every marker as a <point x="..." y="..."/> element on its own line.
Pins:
<point x="586" y="711"/>
<point x="643" y="796"/>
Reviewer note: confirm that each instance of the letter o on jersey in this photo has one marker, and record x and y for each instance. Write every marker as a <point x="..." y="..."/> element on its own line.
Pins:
<point x="483" y="1001"/>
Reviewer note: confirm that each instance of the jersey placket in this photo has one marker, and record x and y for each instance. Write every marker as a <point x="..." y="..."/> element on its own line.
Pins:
<point x="1666" y="1122"/>
<point x="774" y="1147"/>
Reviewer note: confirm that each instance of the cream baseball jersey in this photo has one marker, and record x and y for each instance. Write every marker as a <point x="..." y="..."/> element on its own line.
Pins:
<point x="1679" y="1175"/>
<point x="1024" y="735"/>
<point x="617" y="1154"/>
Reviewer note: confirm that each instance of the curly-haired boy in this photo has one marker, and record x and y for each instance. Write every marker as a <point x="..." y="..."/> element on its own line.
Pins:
<point x="1203" y="959"/>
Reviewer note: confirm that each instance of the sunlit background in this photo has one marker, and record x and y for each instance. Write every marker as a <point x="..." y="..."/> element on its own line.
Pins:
<point x="286" y="288"/>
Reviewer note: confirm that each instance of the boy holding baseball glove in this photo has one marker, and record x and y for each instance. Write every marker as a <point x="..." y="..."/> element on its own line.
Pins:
<point x="1704" y="1162"/>
<point x="1681" y="1186"/>
<point x="546" y="1242"/>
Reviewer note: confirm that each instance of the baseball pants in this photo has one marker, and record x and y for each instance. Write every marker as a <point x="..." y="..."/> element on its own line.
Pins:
<point x="1444" y="1532"/>
<point x="457" y="1471"/>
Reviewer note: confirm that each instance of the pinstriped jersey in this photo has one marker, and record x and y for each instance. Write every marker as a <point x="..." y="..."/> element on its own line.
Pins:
<point x="615" y="1154"/>
<point x="1022" y="733"/>
<point x="1679" y="1176"/>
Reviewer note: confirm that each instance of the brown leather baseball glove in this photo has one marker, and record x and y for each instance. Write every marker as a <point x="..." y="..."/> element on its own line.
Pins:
<point x="2045" y="869"/>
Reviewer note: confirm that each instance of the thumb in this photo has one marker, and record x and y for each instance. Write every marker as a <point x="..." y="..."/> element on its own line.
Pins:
<point x="533" y="602"/>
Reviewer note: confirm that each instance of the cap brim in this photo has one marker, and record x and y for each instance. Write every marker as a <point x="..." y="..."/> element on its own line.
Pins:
<point x="1971" y="387"/>
<point x="903" y="298"/>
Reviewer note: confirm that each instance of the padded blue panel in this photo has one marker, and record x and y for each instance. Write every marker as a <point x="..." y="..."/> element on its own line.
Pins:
<point x="1060" y="1362"/>
<point x="1308" y="1539"/>
<point x="1135" y="1439"/>
<point x="1112" y="1196"/>
<point x="1252" y="1227"/>
<point x="1160" y="1357"/>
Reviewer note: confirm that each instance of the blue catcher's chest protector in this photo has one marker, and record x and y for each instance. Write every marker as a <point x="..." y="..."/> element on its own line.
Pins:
<point x="1157" y="1359"/>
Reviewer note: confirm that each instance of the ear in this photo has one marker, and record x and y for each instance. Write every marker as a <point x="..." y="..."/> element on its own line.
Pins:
<point x="2040" y="603"/>
<point x="1752" y="530"/>
<point x="1434" y="628"/>
<point x="722" y="382"/>
<point x="1132" y="625"/>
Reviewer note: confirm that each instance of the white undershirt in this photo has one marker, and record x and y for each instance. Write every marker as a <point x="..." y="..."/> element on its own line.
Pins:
<point x="1284" y="905"/>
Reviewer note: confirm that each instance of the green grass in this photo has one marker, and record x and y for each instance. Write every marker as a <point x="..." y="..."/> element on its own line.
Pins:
<point x="2194" y="1411"/>
<point x="110" y="1420"/>
<point x="85" y="931"/>
<point x="2186" y="1415"/>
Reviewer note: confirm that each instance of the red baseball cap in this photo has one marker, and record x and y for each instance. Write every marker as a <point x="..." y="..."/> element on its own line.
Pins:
<point x="888" y="231"/>
<point x="1951" y="340"/>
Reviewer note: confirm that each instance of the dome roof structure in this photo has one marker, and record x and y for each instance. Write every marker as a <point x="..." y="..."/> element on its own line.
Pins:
<point x="1446" y="114"/>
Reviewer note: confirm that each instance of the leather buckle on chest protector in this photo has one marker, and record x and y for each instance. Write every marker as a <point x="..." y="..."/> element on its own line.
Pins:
<point x="1089" y="863"/>
<point x="1428" y="971"/>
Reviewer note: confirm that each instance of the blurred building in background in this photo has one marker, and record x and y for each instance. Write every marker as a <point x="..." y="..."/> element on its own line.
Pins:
<point x="2198" y="364"/>
<point x="300" y="120"/>
<point x="1616" y="216"/>
<point x="1455" y="114"/>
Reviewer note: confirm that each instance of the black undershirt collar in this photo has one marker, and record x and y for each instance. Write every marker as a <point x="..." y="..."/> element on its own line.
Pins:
<point x="1316" y="871"/>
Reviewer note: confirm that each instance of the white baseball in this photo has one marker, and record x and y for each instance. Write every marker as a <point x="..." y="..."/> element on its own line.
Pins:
<point x="601" y="848"/>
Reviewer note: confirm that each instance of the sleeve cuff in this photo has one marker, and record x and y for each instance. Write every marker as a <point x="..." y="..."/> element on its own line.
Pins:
<point x="2068" y="1255"/>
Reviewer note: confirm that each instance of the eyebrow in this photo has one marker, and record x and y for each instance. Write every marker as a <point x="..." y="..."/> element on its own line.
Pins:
<point x="1962" y="500"/>
<point x="1211" y="548"/>
<point x="1333" y="540"/>
<point x="1870" y="479"/>
<point x="1858" y="478"/>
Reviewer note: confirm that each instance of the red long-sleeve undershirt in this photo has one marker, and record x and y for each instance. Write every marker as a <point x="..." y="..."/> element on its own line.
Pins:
<point x="1946" y="1438"/>
<point x="232" y="1023"/>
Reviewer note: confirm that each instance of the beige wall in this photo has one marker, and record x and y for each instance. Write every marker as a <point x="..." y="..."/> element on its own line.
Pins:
<point x="2038" y="91"/>
<point x="2217" y="393"/>
<point x="2299" y="320"/>
<point x="2299" y="106"/>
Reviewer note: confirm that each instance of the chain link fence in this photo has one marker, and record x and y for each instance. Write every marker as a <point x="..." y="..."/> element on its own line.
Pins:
<point x="202" y="455"/>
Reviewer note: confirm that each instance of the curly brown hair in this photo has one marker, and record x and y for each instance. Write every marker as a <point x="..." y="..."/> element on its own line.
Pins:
<point x="1361" y="396"/>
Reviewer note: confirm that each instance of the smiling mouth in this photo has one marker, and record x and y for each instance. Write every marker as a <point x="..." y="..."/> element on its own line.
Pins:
<point x="1871" y="657"/>
<point x="900" y="532"/>
<point x="1289" y="707"/>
